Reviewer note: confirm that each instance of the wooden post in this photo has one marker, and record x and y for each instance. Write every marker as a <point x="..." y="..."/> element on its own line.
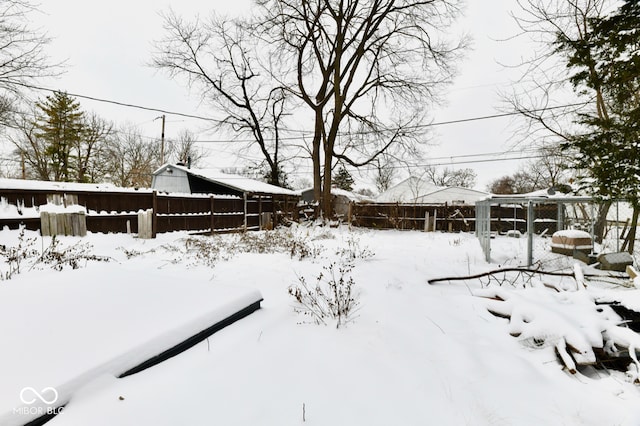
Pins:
<point x="154" y="212"/>
<point x="435" y="220"/>
<point x="260" y="212"/>
<point x="45" y="229"/>
<point x="426" y="221"/>
<point x="244" y="198"/>
<point x="213" y="223"/>
<point x="53" y="224"/>
<point x="66" y="220"/>
<point x="145" y="224"/>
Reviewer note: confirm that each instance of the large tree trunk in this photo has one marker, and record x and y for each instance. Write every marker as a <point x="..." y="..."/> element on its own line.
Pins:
<point x="326" y="187"/>
<point x="315" y="157"/>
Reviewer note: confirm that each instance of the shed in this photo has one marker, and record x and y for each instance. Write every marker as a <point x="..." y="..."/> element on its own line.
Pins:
<point x="417" y="191"/>
<point x="175" y="178"/>
<point x="340" y="200"/>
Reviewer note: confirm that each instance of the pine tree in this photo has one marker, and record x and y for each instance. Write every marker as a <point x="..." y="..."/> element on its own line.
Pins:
<point x="608" y="63"/>
<point x="343" y="180"/>
<point x="61" y="127"/>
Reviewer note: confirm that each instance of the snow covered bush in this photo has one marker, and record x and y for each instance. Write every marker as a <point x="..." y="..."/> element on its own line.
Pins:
<point x="209" y="250"/>
<point x="57" y="256"/>
<point x="331" y="298"/>
<point x="353" y="250"/>
<point x="279" y="240"/>
<point x="16" y="255"/>
<point x="54" y="255"/>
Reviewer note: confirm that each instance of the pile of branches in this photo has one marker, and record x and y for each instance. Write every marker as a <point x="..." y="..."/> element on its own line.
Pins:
<point x="582" y="329"/>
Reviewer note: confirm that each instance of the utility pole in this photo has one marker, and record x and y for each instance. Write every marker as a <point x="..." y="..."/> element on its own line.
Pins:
<point x="162" y="142"/>
<point x="161" y="139"/>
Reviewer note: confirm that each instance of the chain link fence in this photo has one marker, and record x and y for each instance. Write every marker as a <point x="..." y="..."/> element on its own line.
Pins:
<point x="534" y="220"/>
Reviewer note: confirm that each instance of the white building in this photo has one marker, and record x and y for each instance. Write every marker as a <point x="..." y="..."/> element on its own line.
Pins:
<point x="417" y="191"/>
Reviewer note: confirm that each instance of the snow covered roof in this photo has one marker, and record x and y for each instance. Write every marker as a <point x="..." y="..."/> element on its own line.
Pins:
<point x="406" y="191"/>
<point x="337" y="191"/>
<point x="350" y="195"/>
<point x="415" y="190"/>
<point x="236" y="182"/>
<point x="58" y="186"/>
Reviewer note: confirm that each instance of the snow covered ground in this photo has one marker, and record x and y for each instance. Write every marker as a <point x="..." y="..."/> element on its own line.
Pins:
<point x="415" y="353"/>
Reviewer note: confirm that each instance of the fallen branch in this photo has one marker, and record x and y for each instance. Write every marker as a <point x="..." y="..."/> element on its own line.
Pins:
<point x="503" y="270"/>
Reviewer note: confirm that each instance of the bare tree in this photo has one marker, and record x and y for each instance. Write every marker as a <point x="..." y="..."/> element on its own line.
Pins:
<point x="385" y="172"/>
<point x="502" y="185"/>
<point x="546" y="99"/>
<point x="548" y="103"/>
<point x="551" y="170"/>
<point x="31" y="148"/>
<point x="130" y="159"/>
<point x="90" y="149"/>
<point x="222" y="58"/>
<point x="22" y="53"/>
<point x="465" y="178"/>
<point x="365" y="70"/>
<point x="185" y="150"/>
<point x="548" y="171"/>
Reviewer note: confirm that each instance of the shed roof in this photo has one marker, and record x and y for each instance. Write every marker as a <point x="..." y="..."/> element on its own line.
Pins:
<point x="235" y="182"/>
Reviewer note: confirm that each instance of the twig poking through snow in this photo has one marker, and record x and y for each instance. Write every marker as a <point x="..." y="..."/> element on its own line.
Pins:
<point x="434" y="323"/>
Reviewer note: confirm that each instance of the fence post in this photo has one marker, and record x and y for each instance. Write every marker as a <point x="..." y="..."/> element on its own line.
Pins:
<point x="154" y="213"/>
<point x="145" y="224"/>
<point x="244" y="196"/>
<point x="213" y="224"/>
<point x="530" y="224"/>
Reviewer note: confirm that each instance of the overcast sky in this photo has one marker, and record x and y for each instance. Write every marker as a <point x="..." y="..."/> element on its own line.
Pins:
<point x="108" y="45"/>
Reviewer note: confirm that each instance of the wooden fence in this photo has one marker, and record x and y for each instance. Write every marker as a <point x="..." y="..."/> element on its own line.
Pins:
<point x="448" y="218"/>
<point x="117" y="211"/>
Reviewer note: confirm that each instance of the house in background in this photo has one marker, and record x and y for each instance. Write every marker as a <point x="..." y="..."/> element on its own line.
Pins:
<point x="417" y="191"/>
<point x="174" y="178"/>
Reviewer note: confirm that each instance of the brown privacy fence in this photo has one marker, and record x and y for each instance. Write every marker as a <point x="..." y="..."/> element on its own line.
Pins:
<point x="449" y="218"/>
<point x="117" y="211"/>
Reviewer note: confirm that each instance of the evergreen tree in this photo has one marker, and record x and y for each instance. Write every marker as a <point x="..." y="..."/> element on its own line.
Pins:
<point x="61" y="126"/>
<point x="608" y="62"/>
<point x="343" y="180"/>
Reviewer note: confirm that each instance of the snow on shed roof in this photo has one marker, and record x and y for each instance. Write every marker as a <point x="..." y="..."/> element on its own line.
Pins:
<point x="237" y="182"/>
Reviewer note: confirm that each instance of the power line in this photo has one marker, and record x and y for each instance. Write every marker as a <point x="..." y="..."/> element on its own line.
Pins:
<point x="118" y="103"/>
<point x="198" y="117"/>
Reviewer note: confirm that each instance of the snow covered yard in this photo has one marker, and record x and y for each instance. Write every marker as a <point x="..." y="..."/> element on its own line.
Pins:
<point x="414" y="354"/>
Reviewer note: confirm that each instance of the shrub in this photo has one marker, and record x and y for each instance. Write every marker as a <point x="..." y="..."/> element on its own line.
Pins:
<point x="54" y="255"/>
<point x="14" y="256"/>
<point x="332" y="297"/>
